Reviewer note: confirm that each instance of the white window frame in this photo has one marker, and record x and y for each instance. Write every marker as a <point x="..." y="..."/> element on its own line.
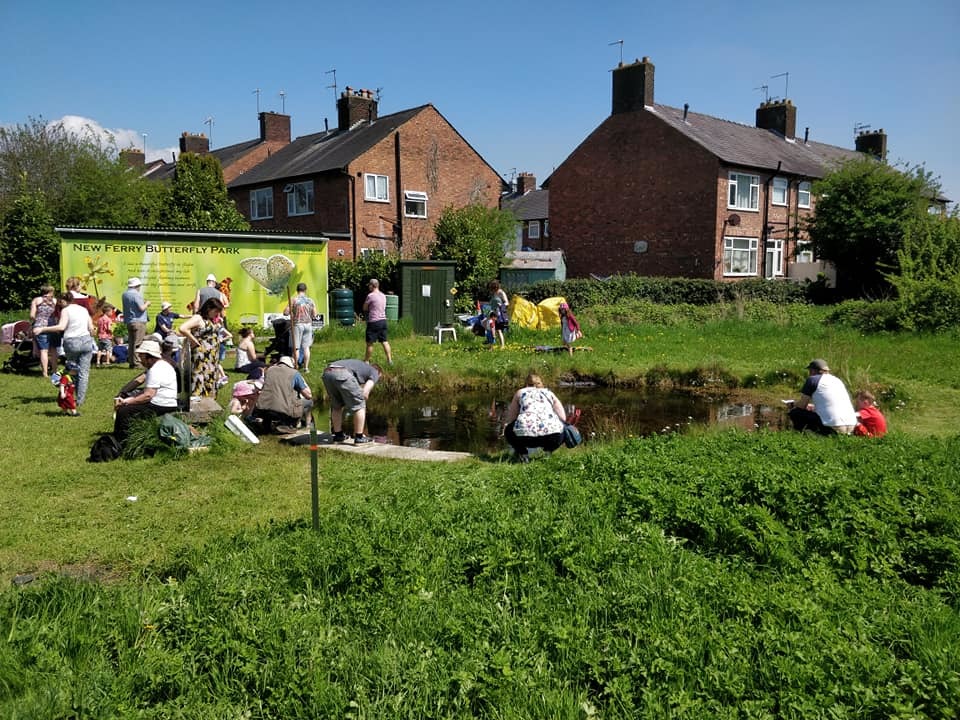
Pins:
<point x="300" y="198"/>
<point x="734" y="181"/>
<point x="533" y="230"/>
<point x="366" y="252"/>
<point x="729" y="247"/>
<point x="805" y="252"/>
<point x="781" y="191"/>
<point x="376" y="188"/>
<point x="803" y="193"/>
<point x="773" y="257"/>
<point x="261" y="196"/>
<point x="414" y="204"/>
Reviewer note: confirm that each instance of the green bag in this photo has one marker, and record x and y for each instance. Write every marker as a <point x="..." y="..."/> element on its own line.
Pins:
<point x="177" y="432"/>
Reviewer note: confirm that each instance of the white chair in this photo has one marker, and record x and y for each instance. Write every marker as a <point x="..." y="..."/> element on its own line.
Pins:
<point x="441" y="329"/>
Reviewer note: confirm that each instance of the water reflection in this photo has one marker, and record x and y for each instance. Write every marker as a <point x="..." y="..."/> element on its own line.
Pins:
<point x="472" y="422"/>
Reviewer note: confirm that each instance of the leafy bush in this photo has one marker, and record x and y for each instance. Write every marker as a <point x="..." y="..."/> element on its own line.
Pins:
<point x="869" y="316"/>
<point x="355" y="275"/>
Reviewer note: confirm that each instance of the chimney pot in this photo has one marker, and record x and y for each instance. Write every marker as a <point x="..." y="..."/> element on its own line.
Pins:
<point x="633" y="86"/>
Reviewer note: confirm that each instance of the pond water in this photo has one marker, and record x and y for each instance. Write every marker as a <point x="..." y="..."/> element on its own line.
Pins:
<point x="471" y="422"/>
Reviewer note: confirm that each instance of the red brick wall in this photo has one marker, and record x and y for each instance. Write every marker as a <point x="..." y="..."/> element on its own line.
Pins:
<point x="636" y="179"/>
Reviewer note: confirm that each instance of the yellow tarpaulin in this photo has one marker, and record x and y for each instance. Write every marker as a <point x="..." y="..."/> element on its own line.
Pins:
<point x="543" y="316"/>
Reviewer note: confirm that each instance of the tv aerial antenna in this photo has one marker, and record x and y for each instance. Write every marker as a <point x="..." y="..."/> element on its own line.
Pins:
<point x="859" y="128"/>
<point x="620" y="43"/>
<point x="256" y="91"/>
<point x="765" y="89"/>
<point x="333" y="71"/>
<point x="786" y="87"/>
<point x="283" y="102"/>
<point x="209" y="123"/>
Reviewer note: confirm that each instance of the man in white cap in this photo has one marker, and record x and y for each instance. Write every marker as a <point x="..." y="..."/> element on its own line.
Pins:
<point x="210" y="290"/>
<point x="824" y="405"/>
<point x="134" y="317"/>
<point x="285" y="397"/>
<point x="159" y="395"/>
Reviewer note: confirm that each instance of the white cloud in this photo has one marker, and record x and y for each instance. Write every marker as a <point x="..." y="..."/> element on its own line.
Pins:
<point x="122" y="138"/>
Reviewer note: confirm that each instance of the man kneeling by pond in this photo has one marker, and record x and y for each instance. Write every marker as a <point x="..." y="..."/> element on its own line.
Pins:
<point x="285" y="400"/>
<point x="824" y="405"/>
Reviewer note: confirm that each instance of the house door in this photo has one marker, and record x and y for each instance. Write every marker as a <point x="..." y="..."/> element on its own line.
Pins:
<point x="773" y="264"/>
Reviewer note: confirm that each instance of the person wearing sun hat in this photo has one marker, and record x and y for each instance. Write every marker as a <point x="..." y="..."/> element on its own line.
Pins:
<point x="824" y="405"/>
<point x="165" y="318"/>
<point x="210" y="290"/>
<point x="134" y="316"/>
<point x="159" y="395"/>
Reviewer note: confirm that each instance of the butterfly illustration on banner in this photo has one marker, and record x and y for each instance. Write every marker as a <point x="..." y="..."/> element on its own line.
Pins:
<point x="273" y="273"/>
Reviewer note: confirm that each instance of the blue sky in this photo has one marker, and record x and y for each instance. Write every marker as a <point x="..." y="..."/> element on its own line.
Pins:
<point x="523" y="82"/>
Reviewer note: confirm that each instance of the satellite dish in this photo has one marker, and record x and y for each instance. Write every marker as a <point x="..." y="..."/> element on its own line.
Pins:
<point x="733" y="220"/>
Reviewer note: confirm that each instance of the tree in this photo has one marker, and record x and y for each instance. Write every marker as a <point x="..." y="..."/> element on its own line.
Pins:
<point x="864" y="209"/>
<point x="198" y="198"/>
<point x="29" y="251"/>
<point x="475" y="238"/>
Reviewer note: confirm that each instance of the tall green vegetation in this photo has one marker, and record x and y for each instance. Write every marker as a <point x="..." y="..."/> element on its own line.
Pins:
<point x="28" y="251"/>
<point x="198" y="197"/>
<point x="475" y="238"/>
<point x="864" y="211"/>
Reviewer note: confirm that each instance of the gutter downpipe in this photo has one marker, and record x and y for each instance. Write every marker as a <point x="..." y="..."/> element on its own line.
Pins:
<point x="353" y="210"/>
<point x="396" y="156"/>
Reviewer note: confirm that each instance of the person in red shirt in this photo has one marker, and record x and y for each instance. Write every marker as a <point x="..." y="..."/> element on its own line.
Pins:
<point x="67" y="389"/>
<point x="870" y="421"/>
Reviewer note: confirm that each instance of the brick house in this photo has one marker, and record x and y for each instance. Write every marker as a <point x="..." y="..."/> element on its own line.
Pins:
<point x="658" y="190"/>
<point x="372" y="184"/>
<point x="531" y="208"/>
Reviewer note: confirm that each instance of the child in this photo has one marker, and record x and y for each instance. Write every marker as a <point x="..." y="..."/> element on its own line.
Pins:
<point x="569" y="327"/>
<point x="67" y="389"/>
<point x="493" y="330"/>
<point x="870" y="421"/>
<point x="105" y="335"/>
<point x="165" y="319"/>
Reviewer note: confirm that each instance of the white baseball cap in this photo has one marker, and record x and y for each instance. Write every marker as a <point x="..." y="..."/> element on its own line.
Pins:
<point x="211" y="278"/>
<point x="134" y="282"/>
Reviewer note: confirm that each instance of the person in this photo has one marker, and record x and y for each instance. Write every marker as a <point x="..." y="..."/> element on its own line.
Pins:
<point x="348" y="384"/>
<point x="165" y="318"/>
<point x="534" y="418"/>
<point x="499" y="303"/>
<point x="247" y="360"/>
<point x="870" y="421"/>
<point x="244" y="399"/>
<point x="210" y="290"/>
<point x="43" y="312"/>
<point x="67" y="389"/>
<point x="159" y="395"/>
<point x="375" y="306"/>
<point x="105" y="335"/>
<point x="493" y="330"/>
<point x="75" y="290"/>
<point x="824" y="405"/>
<point x="203" y="333"/>
<point x="169" y="351"/>
<point x="569" y="327"/>
<point x="134" y="317"/>
<point x="285" y="397"/>
<point x="301" y="311"/>
<point x="78" y="332"/>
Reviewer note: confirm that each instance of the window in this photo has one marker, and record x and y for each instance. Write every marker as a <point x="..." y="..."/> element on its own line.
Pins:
<point x="739" y="256"/>
<point x="774" y="259"/>
<point x="804" y="251"/>
<point x="780" y="187"/>
<point x="546" y="228"/>
<point x="803" y="195"/>
<point x="369" y="252"/>
<point x="414" y="204"/>
<point x="261" y="203"/>
<point x="533" y="230"/>
<point x="376" y="187"/>
<point x="744" y="192"/>
<point x="300" y="198"/>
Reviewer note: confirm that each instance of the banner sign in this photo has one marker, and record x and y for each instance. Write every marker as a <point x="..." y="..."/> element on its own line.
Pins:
<point x="254" y="270"/>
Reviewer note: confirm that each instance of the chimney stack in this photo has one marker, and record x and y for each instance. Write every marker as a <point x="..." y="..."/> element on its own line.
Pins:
<point x="633" y="86"/>
<point x="198" y="144"/>
<point x="354" y="106"/>
<point x="778" y="115"/>
<point x="133" y="158"/>
<point x="275" y="127"/>
<point x="873" y="143"/>
<point x="526" y="182"/>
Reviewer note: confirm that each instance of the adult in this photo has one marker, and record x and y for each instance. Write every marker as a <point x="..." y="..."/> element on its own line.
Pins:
<point x="78" y="332"/>
<point x="348" y="384"/>
<point x="247" y="360"/>
<point x="375" y="307"/>
<point x="165" y="318"/>
<point x="202" y="331"/>
<point x="824" y="405"/>
<point x="208" y="291"/>
<point x="159" y="395"/>
<point x="534" y="418"/>
<point x="75" y="290"/>
<point x="870" y="421"/>
<point x="499" y="303"/>
<point x="43" y="312"/>
<point x="134" y="317"/>
<point x="285" y="399"/>
<point x="301" y="311"/>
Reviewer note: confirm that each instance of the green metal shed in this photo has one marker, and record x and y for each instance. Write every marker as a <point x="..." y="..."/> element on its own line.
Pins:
<point x="524" y="267"/>
<point x="425" y="293"/>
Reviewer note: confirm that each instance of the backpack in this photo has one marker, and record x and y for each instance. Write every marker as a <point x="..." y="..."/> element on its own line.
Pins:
<point x="105" y="448"/>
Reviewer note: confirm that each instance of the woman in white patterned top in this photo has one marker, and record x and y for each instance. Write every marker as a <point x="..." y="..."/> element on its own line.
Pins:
<point x="535" y="418"/>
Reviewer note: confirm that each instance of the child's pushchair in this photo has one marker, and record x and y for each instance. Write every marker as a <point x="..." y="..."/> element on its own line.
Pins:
<point x="279" y="344"/>
<point x="23" y="358"/>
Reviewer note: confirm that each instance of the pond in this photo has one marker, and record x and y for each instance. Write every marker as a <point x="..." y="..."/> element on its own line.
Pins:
<point x="471" y="422"/>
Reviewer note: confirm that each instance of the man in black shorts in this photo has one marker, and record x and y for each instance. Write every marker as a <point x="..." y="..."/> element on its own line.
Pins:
<point x="348" y="384"/>
<point x="375" y="306"/>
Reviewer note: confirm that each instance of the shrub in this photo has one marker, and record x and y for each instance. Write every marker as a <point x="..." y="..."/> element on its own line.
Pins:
<point x="869" y="316"/>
